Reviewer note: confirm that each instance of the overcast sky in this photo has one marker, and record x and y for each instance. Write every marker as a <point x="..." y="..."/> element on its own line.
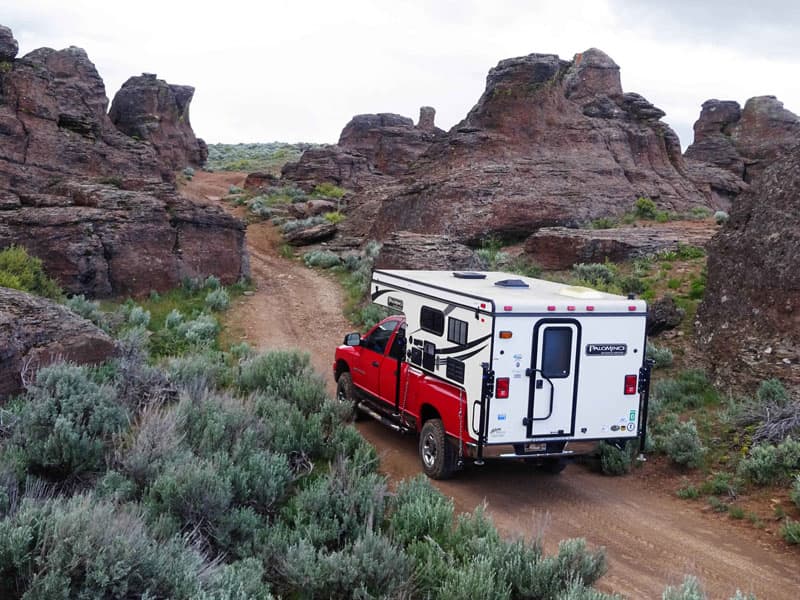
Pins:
<point x="298" y="70"/>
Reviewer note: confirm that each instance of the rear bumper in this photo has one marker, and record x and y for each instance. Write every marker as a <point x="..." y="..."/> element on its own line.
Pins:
<point x="529" y="451"/>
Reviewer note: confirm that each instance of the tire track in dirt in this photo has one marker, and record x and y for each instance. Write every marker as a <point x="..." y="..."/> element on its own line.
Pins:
<point x="652" y="538"/>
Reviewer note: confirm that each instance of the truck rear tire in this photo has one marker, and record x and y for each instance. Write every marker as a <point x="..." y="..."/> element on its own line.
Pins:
<point x="437" y="453"/>
<point x="344" y="393"/>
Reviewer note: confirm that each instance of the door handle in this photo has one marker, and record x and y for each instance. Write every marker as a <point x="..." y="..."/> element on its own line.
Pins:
<point x="375" y="363"/>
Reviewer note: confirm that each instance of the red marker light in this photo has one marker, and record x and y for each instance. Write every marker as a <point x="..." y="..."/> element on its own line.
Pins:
<point x="590" y="308"/>
<point x="508" y="308"/>
<point x="631" y="308"/>
<point x="630" y="384"/>
<point x="483" y="304"/>
<point x="501" y="388"/>
<point x="551" y="308"/>
<point x="571" y="308"/>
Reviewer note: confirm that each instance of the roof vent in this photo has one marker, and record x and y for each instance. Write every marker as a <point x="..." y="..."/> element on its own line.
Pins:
<point x="469" y="275"/>
<point x="512" y="283"/>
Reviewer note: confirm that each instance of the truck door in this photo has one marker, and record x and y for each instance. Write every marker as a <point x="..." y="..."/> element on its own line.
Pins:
<point x="372" y="356"/>
<point x="554" y="372"/>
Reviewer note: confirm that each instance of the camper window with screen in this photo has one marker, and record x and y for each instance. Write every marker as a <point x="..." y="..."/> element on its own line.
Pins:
<point x="431" y="320"/>
<point x="457" y="331"/>
<point x="556" y="352"/>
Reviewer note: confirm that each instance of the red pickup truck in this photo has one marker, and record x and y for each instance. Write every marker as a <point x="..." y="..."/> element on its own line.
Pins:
<point x="371" y="374"/>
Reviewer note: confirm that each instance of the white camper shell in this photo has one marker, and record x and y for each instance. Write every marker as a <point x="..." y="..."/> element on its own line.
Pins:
<point x="543" y="365"/>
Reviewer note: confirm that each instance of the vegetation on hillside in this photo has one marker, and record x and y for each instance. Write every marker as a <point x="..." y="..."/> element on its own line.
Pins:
<point x="179" y="469"/>
<point x="21" y="271"/>
<point x="254" y="157"/>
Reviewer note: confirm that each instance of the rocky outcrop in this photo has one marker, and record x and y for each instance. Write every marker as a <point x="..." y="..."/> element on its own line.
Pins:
<point x="749" y="321"/>
<point x="101" y="241"/>
<point x="743" y="141"/>
<point x="90" y="201"/>
<point x="662" y="315"/>
<point x="407" y="250"/>
<point x="550" y="142"/>
<point x="8" y="45"/>
<point x="153" y="110"/>
<point x="304" y="236"/>
<point x="372" y="150"/>
<point x="560" y="247"/>
<point x="36" y="332"/>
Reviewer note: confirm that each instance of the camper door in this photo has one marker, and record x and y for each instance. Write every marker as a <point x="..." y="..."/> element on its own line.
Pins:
<point x="554" y="372"/>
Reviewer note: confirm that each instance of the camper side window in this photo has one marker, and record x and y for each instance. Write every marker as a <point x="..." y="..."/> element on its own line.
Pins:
<point x="457" y="331"/>
<point x="431" y="320"/>
<point x="556" y="352"/>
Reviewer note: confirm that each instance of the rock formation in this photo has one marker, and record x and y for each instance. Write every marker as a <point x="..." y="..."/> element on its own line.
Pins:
<point x="87" y="199"/>
<point x="729" y="140"/>
<point x="749" y="321"/>
<point x="153" y="110"/>
<point x="406" y="250"/>
<point x="36" y="331"/>
<point x="550" y="142"/>
<point x="561" y="247"/>
<point x="372" y="149"/>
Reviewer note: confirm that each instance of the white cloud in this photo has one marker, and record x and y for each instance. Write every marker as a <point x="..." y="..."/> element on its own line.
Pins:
<point x="297" y="71"/>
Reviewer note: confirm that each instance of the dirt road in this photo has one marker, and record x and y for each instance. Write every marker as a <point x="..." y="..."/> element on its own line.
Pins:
<point x="652" y="538"/>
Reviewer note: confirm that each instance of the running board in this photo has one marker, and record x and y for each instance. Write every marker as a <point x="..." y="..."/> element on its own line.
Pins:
<point x="381" y="418"/>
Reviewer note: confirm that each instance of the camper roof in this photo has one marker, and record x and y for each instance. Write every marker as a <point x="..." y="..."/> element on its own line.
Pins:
<point x="510" y="290"/>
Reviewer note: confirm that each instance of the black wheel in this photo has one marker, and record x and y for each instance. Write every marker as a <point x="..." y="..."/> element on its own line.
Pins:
<point x="554" y="466"/>
<point x="344" y="393"/>
<point x="437" y="453"/>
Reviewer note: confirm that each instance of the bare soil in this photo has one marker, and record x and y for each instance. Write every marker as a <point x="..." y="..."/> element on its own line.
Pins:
<point x="652" y="538"/>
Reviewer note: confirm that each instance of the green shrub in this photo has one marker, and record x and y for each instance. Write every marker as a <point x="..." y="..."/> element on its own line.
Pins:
<point x="699" y="213"/>
<point x="687" y="251"/>
<point x="274" y="370"/>
<point x="689" y="590"/>
<point x="329" y="190"/>
<point x="683" y="445"/>
<point x="419" y="511"/>
<point x="661" y="355"/>
<point x="212" y="282"/>
<point x="200" y="370"/>
<point x="795" y="493"/>
<point x="790" y="530"/>
<point x="155" y="441"/>
<point x="88" y="309"/>
<point x="614" y="460"/>
<point x="82" y="548"/>
<point x="334" y="217"/>
<point x="766" y="464"/>
<point x="632" y="285"/>
<point x="21" y="271"/>
<point x="688" y="492"/>
<point x="595" y="273"/>
<point x="604" y="223"/>
<point x="201" y="331"/>
<point x="295" y="224"/>
<point x="218" y="300"/>
<point x="721" y="484"/>
<point x="68" y="422"/>
<point x="138" y="317"/>
<point x="369" y="567"/>
<point x="524" y="266"/>
<point x="340" y="507"/>
<point x="324" y="259"/>
<point x="721" y="217"/>
<point x="645" y="208"/>
<point x="173" y="319"/>
<point x="690" y="389"/>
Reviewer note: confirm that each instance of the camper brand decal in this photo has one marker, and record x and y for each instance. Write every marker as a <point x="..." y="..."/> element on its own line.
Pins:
<point x="606" y="349"/>
<point x="631" y="426"/>
<point x="632" y="416"/>
<point x="394" y="303"/>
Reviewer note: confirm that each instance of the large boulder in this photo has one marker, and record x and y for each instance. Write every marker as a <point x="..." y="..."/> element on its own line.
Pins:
<point x="550" y="142"/>
<point x="561" y="247"/>
<point x="743" y="141"/>
<point x="151" y="109"/>
<point x="749" y="321"/>
<point x="97" y="206"/>
<point x="8" y="45"/>
<point x="36" y="331"/>
<point x="407" y="250"/>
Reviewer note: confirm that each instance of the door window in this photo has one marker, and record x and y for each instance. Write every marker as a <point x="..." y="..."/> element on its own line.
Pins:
<point x="431" y="320"/>
<point x="377" y="340"/>
<point x="557" y="352"/>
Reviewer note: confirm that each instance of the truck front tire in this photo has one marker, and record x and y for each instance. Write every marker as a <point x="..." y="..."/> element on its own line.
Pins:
<point x="344" y="393"/>
<point x="437" y="453"/>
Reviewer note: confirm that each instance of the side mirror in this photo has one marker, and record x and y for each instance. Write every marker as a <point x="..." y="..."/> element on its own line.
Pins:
<point x="352" y="339"/>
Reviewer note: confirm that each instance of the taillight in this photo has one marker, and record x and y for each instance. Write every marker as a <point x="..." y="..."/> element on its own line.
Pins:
<point x="630" y="384"/>
<point x="501" y="388"/>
